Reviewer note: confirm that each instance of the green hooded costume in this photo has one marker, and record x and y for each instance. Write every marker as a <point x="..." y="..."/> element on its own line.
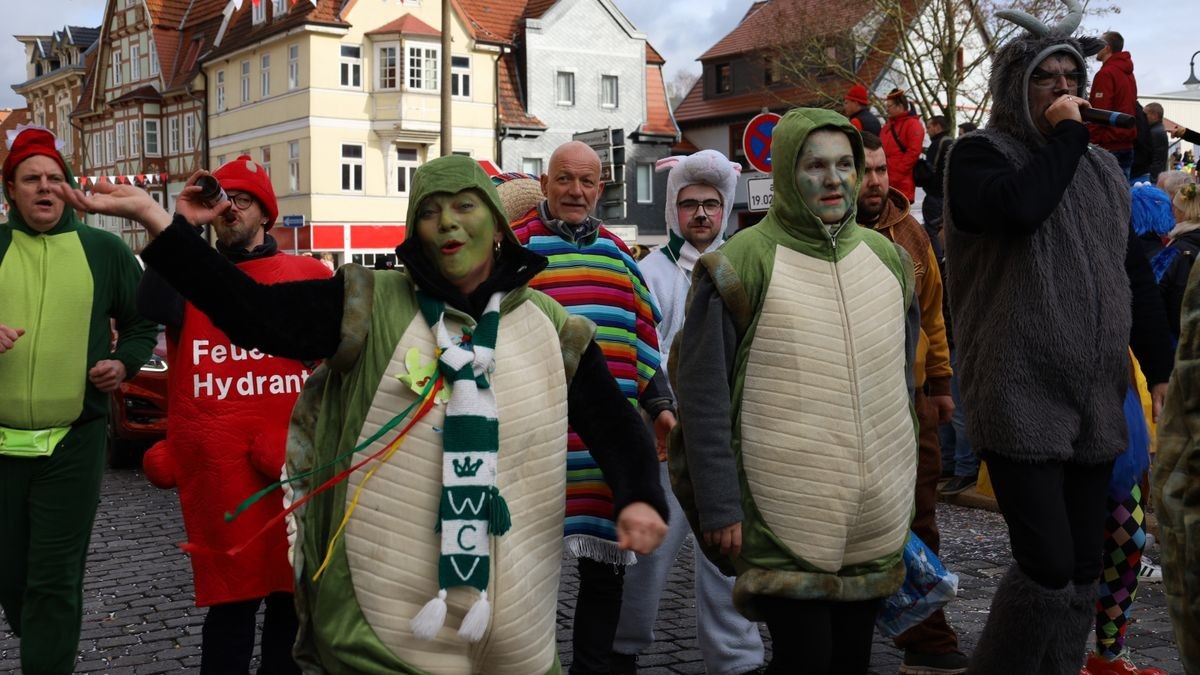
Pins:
<point x="806" y="435"/>
<point x="356" y="617"/>
<point x="63" y="287"/>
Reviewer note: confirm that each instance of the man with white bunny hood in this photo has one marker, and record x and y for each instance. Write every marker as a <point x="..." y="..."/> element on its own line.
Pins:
<point x="699" y="199"/>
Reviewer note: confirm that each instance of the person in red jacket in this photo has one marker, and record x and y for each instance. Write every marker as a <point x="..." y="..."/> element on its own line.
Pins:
<point x="1114" y="88"/>
<point x="226" y="437"/>
<point x="903" y="135"/>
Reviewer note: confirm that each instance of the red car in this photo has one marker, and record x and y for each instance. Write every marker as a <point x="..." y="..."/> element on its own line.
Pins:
<point x="138" y="411"/>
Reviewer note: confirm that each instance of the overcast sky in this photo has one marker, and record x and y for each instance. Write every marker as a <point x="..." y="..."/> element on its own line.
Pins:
<point x="681" y="30"/>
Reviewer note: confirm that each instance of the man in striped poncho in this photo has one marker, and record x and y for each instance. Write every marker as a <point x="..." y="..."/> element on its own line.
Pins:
<point x="592" y="274"/>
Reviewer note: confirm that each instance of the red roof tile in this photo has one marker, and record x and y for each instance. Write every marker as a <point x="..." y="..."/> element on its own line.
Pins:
<point x="512" y="110"/>
<point x="773" y="22"/>
<point x="499" y="21"/>
<point x="658" y="111"/>
<point x="652" y="56"/>
<point x="407" y="24"/>
<point x="242" y="32"/>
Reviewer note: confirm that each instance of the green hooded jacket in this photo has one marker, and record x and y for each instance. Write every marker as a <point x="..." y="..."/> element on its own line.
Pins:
<point x="62" y="287"/>
<point x="835" y="306"/>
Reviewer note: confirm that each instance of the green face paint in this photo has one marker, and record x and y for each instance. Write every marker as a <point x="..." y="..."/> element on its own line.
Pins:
<point x="825" y="175"/>
<point x="458" y="233"/>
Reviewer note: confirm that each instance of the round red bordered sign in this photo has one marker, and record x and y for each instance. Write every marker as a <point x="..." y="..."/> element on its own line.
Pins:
<point x="756" y="141"/>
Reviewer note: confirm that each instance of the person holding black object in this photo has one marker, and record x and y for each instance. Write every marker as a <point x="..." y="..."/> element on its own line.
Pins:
<point x="1038" y="249"/>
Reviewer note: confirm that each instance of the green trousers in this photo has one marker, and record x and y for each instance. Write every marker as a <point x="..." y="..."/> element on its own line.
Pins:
<point x="47" y="505"/>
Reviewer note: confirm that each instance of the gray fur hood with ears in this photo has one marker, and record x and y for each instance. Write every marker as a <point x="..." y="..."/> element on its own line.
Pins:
<point x="1013" y="63"/>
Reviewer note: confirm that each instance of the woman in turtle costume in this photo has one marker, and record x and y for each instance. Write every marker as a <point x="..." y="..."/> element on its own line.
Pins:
<point x="445" y="558"/>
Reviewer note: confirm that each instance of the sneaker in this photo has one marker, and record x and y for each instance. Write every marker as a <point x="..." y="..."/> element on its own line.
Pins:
<point x="958" y="485"/>
<point x="1149" y="572"/>
<point x="1098" y="665"/>
<point x="916" y="663"/>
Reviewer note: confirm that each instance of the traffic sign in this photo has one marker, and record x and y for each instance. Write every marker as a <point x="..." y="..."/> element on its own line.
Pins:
<point x="756" y="141"/>
<point x="293" y="221"/>
<point x="594" y="138"/>
<point x="759" y="192"/>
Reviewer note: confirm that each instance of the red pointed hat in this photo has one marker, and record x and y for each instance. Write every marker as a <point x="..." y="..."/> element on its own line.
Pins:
<point x="858" y="94"/>
<point x="245" y="175"/>
<point x="26" y="143"/>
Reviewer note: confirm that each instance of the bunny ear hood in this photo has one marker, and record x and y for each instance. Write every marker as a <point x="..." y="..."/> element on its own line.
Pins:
<point x="706" y="166"/>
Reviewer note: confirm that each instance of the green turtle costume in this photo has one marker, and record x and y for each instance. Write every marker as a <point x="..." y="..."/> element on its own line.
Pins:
<point x="805" y="434"/>
<point x="444" y="556"/>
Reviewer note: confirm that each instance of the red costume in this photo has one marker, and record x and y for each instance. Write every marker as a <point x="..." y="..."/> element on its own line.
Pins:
<point x="226" y="437"/>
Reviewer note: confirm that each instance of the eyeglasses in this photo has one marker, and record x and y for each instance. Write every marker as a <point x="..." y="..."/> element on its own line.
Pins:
<point x="1046" y="79"/>
<point x="711" y="206"/>
<point x="242" y="200"/>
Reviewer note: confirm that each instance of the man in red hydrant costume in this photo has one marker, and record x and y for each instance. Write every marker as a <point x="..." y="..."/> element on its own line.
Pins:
<point x="226" y="435"/>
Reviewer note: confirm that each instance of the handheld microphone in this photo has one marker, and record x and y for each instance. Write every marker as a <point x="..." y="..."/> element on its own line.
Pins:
<point x="1107" y="117"/>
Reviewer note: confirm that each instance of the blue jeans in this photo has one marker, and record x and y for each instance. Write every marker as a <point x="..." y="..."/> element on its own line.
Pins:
<point x="957" y="456"/>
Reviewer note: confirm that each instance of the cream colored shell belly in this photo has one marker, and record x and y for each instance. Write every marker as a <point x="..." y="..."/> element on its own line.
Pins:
<point x="828" y="444"/>
<point x="391" y="546"/>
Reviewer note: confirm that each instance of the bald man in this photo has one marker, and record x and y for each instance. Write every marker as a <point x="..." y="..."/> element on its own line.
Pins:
<point x="592" y="274"/>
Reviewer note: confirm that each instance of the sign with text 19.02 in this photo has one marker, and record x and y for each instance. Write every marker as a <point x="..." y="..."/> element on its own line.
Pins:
<point x="759" y="192"/>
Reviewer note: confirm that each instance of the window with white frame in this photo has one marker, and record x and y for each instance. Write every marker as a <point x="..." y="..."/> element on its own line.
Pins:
<point x="189" y="132"/>
<point x="173" y="134"/>
<point x="293" y="67"/>
<point x="154" y="67"/>
<point x="135" y="63"/>
<point x="220" y="90"/>
<point x="246" y="80"/>
<point x="405" y="167"/>
<point x="116" y="68"/>
<point x="609" y="91"/>
<point x="135" y="138"/>
<point x="532" y="165"/>
<point x="422" y="67"/>
<point x="264" y="74"/>
<point x="564" y="88"/>
<point x="278" y="8"/>
<point x="293" y="166"/>
<point x="388" y="71"/>
<point x="96" y="159"/>
<point x="460" y="76"/>
<point x="351" y="66"/>
<point x="109" y="155"/>
<point x="352" y="167"/>
<point x="120" y="129"/>
<point x="220" y="160"/>
<point x="39" y="117"/>
<point x="645" y="183"/>
<point x="259" y="13"/>
<point x="64" y="125"/>
<point x="266" y="158"/>
<point x="152" y="145"/>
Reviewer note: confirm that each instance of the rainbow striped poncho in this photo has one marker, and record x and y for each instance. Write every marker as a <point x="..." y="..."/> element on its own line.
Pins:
<point x="598" y="279"/>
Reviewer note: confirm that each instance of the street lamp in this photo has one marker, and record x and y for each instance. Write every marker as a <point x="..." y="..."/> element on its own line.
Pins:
<point x="1192" y="82"/>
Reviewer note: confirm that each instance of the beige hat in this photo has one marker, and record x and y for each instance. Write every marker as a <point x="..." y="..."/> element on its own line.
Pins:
<point x="518" y="196"/>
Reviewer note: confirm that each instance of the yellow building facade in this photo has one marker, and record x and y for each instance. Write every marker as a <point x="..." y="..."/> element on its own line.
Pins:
<point x="342" y="107"/>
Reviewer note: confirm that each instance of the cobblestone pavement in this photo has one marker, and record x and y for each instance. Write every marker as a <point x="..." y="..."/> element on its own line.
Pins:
<point x="139" y="618"/>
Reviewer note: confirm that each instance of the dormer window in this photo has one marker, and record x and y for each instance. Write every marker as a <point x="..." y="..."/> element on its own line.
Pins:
<point x="258" y="12"/>
<point x="724" y="78"/>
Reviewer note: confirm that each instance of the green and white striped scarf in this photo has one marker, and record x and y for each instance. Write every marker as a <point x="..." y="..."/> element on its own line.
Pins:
<point x="471" y="508"/>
